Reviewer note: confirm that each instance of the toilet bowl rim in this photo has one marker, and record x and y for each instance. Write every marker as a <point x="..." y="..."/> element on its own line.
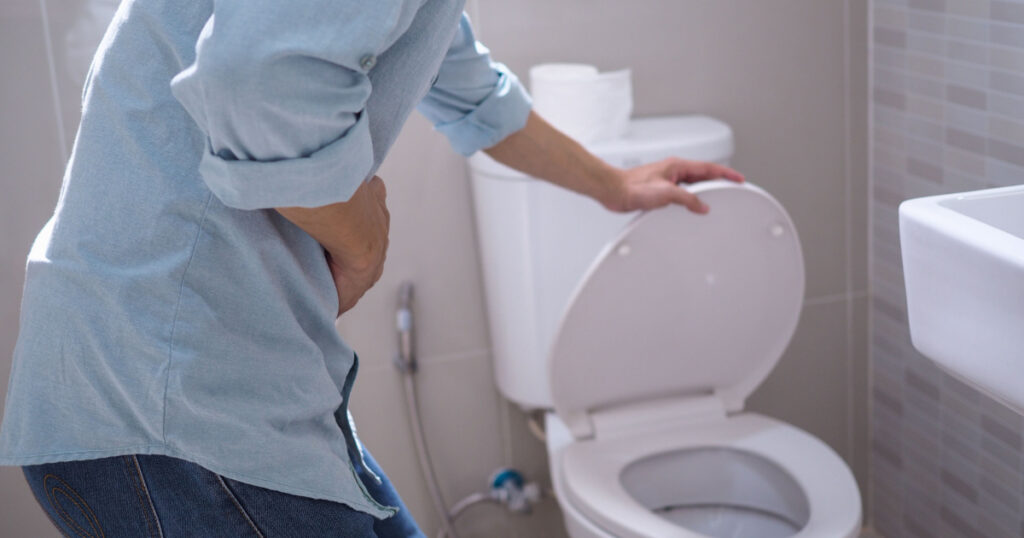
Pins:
<point x="589" y="473"/>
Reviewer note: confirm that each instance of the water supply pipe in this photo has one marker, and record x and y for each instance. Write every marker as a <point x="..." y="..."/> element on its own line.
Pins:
<point x="506" y="486"/>
<point x="405" y="361"/>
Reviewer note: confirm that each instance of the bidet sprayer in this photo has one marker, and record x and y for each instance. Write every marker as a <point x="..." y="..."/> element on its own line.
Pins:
<point x="405" y="360"/>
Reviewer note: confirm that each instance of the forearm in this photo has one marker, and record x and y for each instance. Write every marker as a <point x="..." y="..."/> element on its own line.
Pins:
<point x="352" y="232"/>
<point x="544" y="152"/>
<point x="329" y="225"/>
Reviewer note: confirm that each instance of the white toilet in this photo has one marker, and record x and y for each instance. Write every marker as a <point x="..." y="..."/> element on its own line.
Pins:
<point x="644" y="334"/>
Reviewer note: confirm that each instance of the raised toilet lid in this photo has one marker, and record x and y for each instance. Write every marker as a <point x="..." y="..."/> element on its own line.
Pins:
<point x="681" y="304"/>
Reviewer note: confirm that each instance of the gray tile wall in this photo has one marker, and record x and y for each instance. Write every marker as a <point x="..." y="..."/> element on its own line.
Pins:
<point x="947" y="116"/>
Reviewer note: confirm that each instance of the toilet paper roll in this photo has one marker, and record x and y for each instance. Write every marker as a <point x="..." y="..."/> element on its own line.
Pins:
<point x="587" y="105"/>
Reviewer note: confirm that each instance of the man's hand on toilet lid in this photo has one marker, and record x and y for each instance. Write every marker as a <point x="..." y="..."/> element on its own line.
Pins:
<point x="655" y="185"/>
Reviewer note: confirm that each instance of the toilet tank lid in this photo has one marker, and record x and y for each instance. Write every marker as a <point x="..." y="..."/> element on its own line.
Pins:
<point x="695" y="137"/>
<point x="681" y="305"/>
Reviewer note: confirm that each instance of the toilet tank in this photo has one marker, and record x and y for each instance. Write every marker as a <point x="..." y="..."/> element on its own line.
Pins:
<point x="537" y="241"/>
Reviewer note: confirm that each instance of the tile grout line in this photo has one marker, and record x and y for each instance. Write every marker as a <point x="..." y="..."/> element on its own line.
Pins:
<point x="54" y="92"/>
<point x="944" y="146"/>
<point x="945" y="36"/>
<point x="847" y="103"/>
<point x="430" y="360"/>
<point x="987" y="66"/>
<point x="475" y="353"/>
<point x="983" y="88"/>
<point x="870" y="401"/>
<point x="831" y="298"/>
<point x="456" y="356"/>
<point x="948" y="15"/>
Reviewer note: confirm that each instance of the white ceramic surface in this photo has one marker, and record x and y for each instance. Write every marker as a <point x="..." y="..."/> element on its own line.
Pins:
<point x="963" y="264"/>
<point x="614" y="487"/>
<point x="538" y="240"/>
<point x="681" y="305"/>
<point x="637" y="307"/>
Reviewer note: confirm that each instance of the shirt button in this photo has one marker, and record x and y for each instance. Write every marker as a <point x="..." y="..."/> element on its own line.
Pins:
<point x="367" y="62"/>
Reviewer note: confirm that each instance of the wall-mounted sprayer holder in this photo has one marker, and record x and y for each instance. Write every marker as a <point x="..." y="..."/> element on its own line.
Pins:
<point x="405" y="361"/>
<point x="505" y="486"/>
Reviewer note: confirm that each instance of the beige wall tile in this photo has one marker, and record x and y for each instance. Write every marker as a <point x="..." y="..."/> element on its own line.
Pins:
<point x="485" y="520"/>
<point x="30" y="172"/>
<point x="526" y="452"/>
<point x="545" y="521"/>
<point x="76" y="27"/>
<point x="460" y="402"/>
<point x="529" y="454"/>
<point x="857" y="143"/>
<point x="19" y="512"/>
<point x="860" y="447"/>
<point x="774" y="71"/>
<point x="809" y="388"/>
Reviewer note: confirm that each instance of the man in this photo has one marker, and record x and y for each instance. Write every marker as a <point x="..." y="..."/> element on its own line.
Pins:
<point x="178" y="372"/>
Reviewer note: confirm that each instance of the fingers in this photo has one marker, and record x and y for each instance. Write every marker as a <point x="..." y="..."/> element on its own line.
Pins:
<point x="351" y="287"/>
<point x="367" y="231"/>
<point x="380" y="193"/>
<point x="693" y="171"/>
<point x="686" y="198"/>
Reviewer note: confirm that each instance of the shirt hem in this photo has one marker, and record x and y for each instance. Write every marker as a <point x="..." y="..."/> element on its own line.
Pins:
<point x="369" y="505"/>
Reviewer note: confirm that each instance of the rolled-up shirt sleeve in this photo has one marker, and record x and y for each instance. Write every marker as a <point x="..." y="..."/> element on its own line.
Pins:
<point x="279" y="89"/>
<point x="475" y="101"/>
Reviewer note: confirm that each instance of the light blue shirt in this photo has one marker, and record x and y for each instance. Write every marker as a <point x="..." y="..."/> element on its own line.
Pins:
<point x="167" y="310"/>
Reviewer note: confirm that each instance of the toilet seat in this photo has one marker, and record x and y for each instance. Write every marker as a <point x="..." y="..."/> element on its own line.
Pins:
<point x="676" y="323"/>
<point x="591" y="472"/>
<point x="681" y="304"/>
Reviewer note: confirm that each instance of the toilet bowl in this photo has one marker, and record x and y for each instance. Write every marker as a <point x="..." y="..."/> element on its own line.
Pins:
<point x="745" y="476"/>
<point x="648" y="348"/>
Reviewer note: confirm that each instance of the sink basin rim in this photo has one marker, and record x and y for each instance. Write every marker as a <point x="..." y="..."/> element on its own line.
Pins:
<point x="994" y="241"/>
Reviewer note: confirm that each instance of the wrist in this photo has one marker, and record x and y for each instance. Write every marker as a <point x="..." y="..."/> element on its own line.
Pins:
<point x="350" y="260"/>
<point x="611" y="188"/>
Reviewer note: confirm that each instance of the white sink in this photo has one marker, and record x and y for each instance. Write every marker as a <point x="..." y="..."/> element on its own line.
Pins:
<point x="963" y="263"/>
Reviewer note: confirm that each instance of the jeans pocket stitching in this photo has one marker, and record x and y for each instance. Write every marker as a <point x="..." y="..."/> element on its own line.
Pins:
<point x="138" y="483"/>
<point x="238" y="505"/>
<point x="83" y="506"/>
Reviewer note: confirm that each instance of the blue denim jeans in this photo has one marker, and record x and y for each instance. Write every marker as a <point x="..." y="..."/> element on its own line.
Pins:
<point x="159" y="496"/>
